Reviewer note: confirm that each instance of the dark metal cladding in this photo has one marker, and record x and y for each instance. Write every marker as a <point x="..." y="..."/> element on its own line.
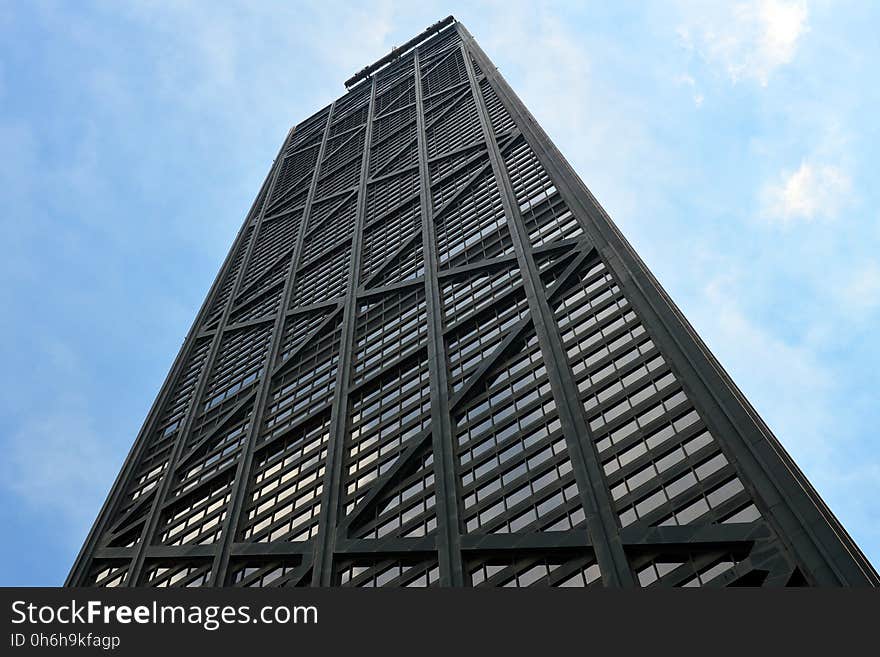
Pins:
<point x="430" y="358"/>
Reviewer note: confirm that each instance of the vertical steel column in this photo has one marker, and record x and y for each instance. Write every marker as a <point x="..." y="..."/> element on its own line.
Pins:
<point x="165" y="483"/>
<point x="79" y="571"/>
<point x="446" y="488"/>
<point x="325" y="542"/>
<point x="594" y="494"/>
<point x="242" y="474"/>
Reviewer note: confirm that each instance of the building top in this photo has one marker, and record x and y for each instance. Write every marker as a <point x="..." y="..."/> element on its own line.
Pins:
<point x="396" y="52"/>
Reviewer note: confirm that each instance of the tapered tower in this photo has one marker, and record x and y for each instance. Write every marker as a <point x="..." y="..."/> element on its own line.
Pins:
<point x="430" y="358"/>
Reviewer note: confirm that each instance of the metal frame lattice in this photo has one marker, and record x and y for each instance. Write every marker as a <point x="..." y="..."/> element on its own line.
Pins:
<point x="430" y="358"/>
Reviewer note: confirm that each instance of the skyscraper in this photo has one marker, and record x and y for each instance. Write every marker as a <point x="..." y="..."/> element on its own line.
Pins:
<point x="430" y="358"/>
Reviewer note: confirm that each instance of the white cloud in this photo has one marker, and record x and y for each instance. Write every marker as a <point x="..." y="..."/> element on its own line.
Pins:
<point x="813" y="191"/>
<point x="749" y="40"/>
<point x="688" y="81"/>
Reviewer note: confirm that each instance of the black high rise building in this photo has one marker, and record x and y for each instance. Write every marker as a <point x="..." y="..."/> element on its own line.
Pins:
<point x="430" y="358"/>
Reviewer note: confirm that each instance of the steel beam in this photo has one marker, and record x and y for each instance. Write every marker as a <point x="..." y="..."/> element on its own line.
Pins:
<point x="322" y="573"/>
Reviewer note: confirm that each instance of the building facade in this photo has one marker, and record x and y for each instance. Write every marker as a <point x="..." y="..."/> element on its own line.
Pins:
<point x="431" y="359"/>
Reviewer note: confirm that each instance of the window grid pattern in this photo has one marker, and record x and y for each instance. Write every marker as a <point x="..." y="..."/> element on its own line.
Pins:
<point x="408" y="510"/>
<point x="291" y="203"/>
<point x="445" y="72"/>
<point x="444" y="165"/>
<point x="166" y="574"/>
<point x="464" y="298"/>
<point x="384" y="416"/>
<point x="524" y="570"/>
<point x="396" y="92"/>
<point x="386" y="195"/>
<point x="260" y="574"/>
<point x="515" y="473"/>
<point x="343" y="149"/>
<point x="307" y="132"/>
<point x="474" y="337"/>
<point x="410" y="264"/>
<point x="474" y="227"/>
<point x="394" y="133"/>
<point x="291" y="186"/>
<point x="306" y="137"/>
<point x="458" y="126"/>
<point x="269" y="281"/>
<point x="219" y="303"/>
<point x="498" y="116"/>
<point x="263" y="305"/>
<point x="337" y="180"/>
<point x="297" y="329"/>
<point x="305" y="386"/>
<point x="323" y="278"/>
<point x="236" y="366"/>
<point x="391" y="78"/>
<point x="687" y="571"/>
<point x="296" y="170"/>
<point x="197" y="518"/>
<point x="393" y="145"/>
<point x="662" y="465"/>
<point x="388" y="329"/>
<point x="274" y="239"/>
<point x="322" y="212"/>
<point x="546" y="216"/>
<point x="284" y="500"/>
<point x="383" y="238"/>
<point x="444" y="41"/>
<point x="154" y="460"/>
<point x="217" y="454"/>
<point x="396" y="154"/>
<point x="334" y="232"/>
<point x="108" y="574"/>
<point x="365" y="573"/>
<point x="443" y="97"/>
<point x="552" y="265"/>
<point x="454" y="172"/>
<point x="401" y="159"/>
<point x="350" y="113"/>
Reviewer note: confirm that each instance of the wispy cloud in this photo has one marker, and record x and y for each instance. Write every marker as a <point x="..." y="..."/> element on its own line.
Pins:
<point x="688" y="81"/>
<point x="749" y="40"/>
<point x="813" y="191"/>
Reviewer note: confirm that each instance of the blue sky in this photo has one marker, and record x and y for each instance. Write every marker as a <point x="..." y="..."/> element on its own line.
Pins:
<point x="736" y="145"/>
